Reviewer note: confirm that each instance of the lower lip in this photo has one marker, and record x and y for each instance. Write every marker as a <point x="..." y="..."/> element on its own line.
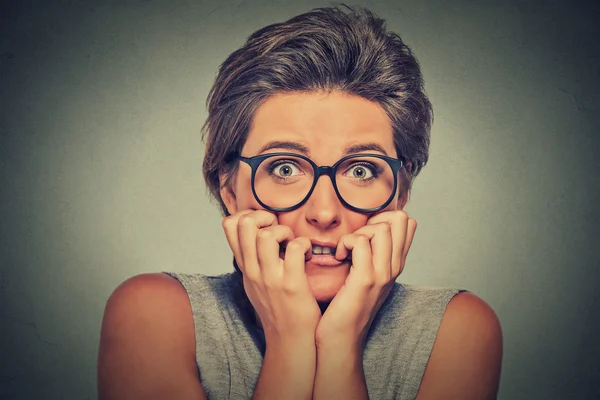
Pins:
<point x="325" y="260"/>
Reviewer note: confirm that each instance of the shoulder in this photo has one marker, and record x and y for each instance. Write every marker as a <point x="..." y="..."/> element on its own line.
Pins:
<point x="147" y="340"/>
<point x="148" y="304"/>
<point x="419" y="303"/>
<point x="466" y="359"/>
<point x="148" y="295"/>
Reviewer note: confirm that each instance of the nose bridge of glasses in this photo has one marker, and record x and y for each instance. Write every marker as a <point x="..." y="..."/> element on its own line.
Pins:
<point x="325" y="170"/>
<point x="321" y="171"/>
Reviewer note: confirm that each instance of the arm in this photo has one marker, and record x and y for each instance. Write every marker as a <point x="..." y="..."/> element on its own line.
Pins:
<point x="340" y="373"/>
<point x="288" y="370"/>
<point x="147" y="342"/>
<point x="466" y="359"/>
<point x="465" y="362"/>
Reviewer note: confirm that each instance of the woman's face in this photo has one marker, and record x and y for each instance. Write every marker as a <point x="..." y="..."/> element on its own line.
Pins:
<point x="326" y="124"/>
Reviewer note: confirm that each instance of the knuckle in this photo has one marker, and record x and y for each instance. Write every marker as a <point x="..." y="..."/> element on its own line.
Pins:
<point x="369" y="282"/>
<point x="385" y="227"/>
<point x="294" y="246"/>
<point x="264" y="235"/>
<point x="281" y="231"/>
<point x="246" y="220"/>
<point x="272" y="284"/>
<point x="362" y="240"/>
<point x="227" y="223"/>
<point x="289" y="286"/>
<point x="402" y="215"/>
<point x="287" y="230"/>
<point x="267" y="216"/>
<point x="306" y="242"/>
<point x="299" y="244"/>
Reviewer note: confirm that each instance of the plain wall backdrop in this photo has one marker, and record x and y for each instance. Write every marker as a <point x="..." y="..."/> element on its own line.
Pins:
<point x="101" y="109"/>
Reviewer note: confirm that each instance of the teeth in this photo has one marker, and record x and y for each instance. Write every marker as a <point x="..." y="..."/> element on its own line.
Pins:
<point x="322" y="250"/>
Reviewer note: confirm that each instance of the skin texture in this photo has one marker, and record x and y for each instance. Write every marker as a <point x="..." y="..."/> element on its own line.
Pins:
<point x="287" y="293"/>
<point x="315" y="318"/>
<point x="147" y="342"/>
<point x="327" y="124"/>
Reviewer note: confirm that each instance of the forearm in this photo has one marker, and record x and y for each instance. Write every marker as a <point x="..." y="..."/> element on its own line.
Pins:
<point x="340" y="373"/>
<point x="288" y="371"/>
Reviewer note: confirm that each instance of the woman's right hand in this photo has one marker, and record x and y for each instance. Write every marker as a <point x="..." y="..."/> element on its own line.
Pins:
<point x="277" y="288"/>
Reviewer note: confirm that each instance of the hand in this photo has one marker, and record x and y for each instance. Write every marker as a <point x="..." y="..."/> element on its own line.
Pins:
<point x="379" y="252"/>
<point x="277" y="288"/>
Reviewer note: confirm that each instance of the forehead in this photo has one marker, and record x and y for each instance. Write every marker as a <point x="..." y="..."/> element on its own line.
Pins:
<point x="325" y="123"/>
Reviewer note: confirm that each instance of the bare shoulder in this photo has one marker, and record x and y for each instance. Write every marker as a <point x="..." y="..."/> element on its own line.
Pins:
<point x="466" y="359"/>
<point x="147" y="342"/>
<point x="153" y="291"/>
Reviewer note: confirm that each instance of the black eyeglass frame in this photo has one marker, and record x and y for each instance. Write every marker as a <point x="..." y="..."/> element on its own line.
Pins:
<point x="255" y="161"/>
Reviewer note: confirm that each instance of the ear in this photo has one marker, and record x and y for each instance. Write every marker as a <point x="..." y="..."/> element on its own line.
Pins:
<point x="227" y="194"/>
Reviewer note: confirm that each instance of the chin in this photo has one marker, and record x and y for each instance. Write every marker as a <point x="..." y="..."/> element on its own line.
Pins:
<point x="325" y="282"/>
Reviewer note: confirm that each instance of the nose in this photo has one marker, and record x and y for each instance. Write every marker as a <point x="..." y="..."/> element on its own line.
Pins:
<point x="323" y="208"/>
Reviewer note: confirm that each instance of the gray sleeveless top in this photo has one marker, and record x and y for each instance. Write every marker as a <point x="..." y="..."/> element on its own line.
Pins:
<point x="230" y="346"/>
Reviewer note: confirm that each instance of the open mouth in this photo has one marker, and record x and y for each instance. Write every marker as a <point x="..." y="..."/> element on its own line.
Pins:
<point x="316" y="250"/>
<point x="323" y="250"/>
<point x="321" y="255"/>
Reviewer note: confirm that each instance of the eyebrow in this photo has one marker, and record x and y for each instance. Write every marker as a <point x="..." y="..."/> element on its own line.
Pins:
<point x="300" y="148"/>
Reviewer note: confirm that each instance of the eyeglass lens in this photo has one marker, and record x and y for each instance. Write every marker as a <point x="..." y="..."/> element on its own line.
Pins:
<point x="363" y="182"/>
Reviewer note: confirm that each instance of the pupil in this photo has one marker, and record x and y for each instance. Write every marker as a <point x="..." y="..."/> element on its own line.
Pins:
<point x="359" y="172"/>
<point x="285" y="170"/>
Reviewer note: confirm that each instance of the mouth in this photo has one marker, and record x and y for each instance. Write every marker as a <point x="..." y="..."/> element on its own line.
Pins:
<point x="322" y="254"/>
<point x="323" y="250"/>
<point x="325" y="260"/>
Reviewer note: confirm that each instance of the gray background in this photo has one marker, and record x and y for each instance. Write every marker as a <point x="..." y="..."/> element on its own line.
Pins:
<point x="101" y="107"/>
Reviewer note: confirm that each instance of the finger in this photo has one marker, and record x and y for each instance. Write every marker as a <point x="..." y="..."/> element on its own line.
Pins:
<point x="401" y="226"/>
<point x="398" y="220"/>
<point x="230" y="226"/>
<point x="362" y="257"/>
<point x="248" y="226"/>
<point x="381" y="248"/>
<point x="343" y="251"/>
<point x="268" y="242"/>
<point x="410" y="234"/>
<point x="297" y="252"/>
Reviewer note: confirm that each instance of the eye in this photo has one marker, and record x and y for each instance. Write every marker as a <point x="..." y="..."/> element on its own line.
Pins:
<point x="284" y="169"/>
<point x="362" y="171"/>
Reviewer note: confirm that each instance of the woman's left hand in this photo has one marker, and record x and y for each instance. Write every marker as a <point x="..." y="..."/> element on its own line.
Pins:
<point x="379" y="252"/>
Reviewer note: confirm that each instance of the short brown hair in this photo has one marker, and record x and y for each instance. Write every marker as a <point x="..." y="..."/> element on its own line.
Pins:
<point x="334" y="48"/>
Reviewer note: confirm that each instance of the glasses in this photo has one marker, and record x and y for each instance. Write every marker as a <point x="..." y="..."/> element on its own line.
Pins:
<point x="283" y="182"/>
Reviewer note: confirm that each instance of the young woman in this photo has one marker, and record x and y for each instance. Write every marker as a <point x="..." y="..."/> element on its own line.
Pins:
<point x="317" y="127"/>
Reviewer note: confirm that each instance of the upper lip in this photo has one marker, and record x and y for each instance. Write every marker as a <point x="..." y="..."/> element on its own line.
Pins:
<point x="323" y="244"/>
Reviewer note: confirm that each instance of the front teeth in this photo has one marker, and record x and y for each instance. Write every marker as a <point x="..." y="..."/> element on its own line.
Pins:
<point x="322" y="250"/>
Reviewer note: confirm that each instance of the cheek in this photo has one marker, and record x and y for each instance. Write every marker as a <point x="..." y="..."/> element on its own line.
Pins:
<point x="356" y="221"/>
<point x="245" y="199"/>
<point x="290" y="219"/>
